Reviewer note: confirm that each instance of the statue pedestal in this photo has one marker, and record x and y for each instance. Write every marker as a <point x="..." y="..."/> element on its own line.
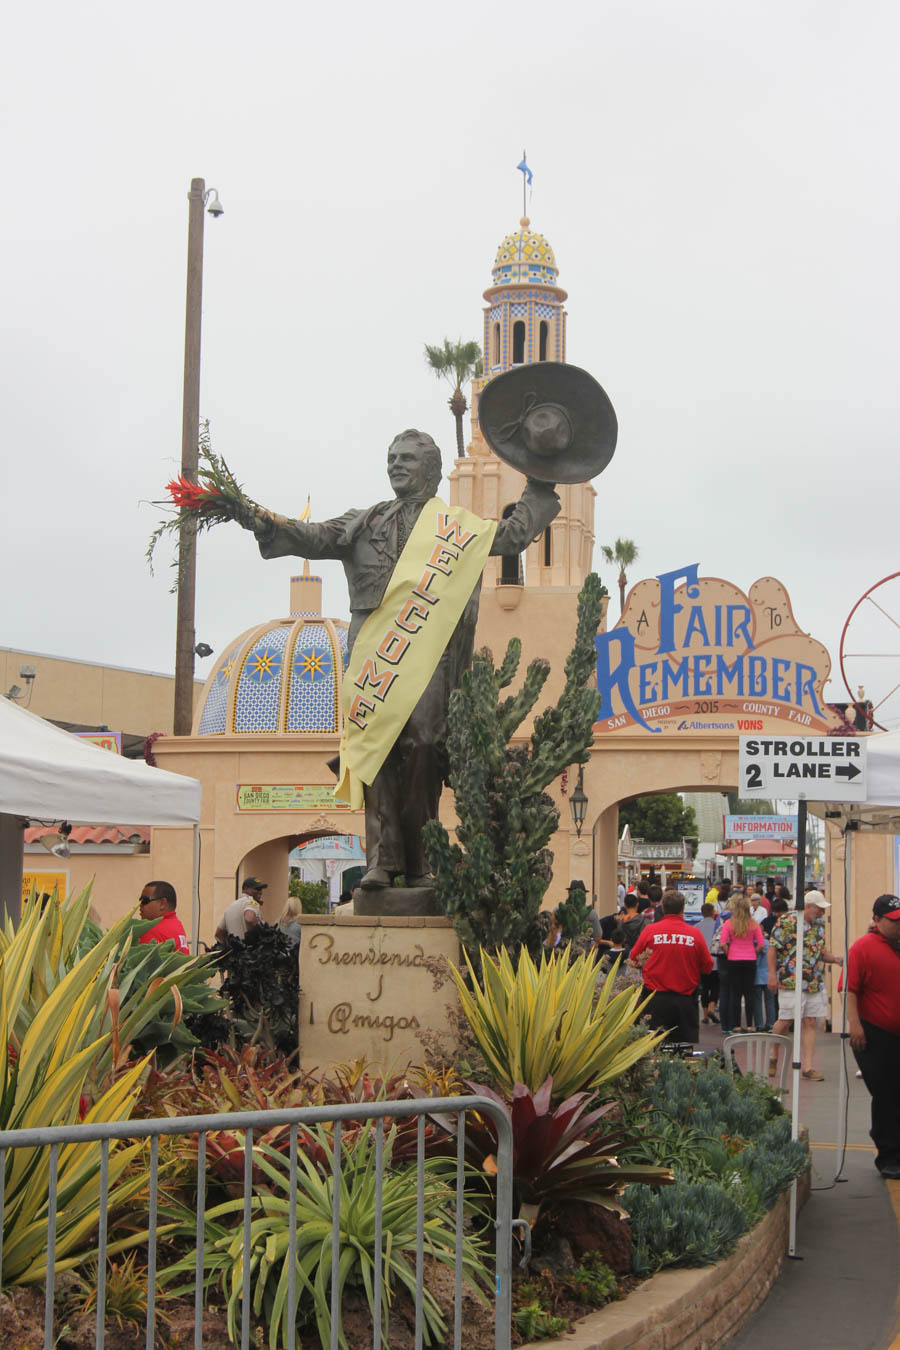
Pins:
<point x="369" y="985"/>
<point x="405" y="900"/>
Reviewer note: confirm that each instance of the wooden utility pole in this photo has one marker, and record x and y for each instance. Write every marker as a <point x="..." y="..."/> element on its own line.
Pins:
<point x="190" y="435"/>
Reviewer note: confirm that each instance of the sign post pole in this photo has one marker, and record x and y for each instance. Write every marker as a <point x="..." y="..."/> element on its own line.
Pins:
<point x="799" y="883"/>
<point x="831" y="769"/>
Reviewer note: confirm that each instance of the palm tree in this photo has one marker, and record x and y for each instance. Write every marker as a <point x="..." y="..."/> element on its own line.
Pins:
<point x="623" y="554"/>
<point x="457" y="362"/>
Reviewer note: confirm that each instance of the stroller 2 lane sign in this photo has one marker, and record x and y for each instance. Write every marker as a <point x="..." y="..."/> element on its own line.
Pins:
<point x="821" y="769"/>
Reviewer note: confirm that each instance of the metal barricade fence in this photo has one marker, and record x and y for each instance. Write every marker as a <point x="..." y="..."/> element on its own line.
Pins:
<point x="248" y="1122"/>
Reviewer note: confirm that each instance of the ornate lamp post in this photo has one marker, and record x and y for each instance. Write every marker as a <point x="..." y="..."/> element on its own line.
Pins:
<point x="578" y="802"/>
<point x="198" y="197"/>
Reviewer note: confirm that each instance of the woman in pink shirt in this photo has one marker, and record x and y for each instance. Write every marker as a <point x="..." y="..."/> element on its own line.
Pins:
<point x="741" y="939"/>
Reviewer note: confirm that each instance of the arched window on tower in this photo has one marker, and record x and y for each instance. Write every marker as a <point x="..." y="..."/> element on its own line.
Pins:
<point x="543" y="337"/>
<point x="495" y="346"/>
<point x="519" y="342"/>
<point x="548" y="548"/>
<point x="512" y="572"/>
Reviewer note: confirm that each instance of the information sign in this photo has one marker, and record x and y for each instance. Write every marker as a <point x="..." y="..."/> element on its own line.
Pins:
<point x="761" y="827"/>
<point x="821" y="769"/>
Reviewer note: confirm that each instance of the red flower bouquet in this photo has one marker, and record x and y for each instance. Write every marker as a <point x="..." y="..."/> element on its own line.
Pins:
<point x="216" y="497"/>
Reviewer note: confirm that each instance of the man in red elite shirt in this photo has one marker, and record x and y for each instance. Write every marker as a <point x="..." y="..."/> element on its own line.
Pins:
<point x="672" y="955"/>
<point x="873" y="1016"/>
<point x="158" y="901"/>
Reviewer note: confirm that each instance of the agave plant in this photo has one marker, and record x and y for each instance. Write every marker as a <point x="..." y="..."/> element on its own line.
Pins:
<point x="558" y="1155"/>
<point x="534" y="1022"/>
<point x="48" y="1049"/>
<point x="269" y="1250"/>
<point x="149" y="988"/>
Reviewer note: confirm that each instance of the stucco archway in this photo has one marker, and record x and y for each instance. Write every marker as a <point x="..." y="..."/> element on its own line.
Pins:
<point x="633" y="765"/>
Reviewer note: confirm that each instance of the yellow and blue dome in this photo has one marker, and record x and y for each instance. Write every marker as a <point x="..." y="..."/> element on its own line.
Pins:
<point x="280" y="677"/>
<point x="525" y="257"/>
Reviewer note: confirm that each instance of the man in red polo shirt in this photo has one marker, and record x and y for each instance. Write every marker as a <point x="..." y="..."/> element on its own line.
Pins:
<point x="672" y="955"/>
<point x="873" y="1016"/>
<point x="158" y="901"/>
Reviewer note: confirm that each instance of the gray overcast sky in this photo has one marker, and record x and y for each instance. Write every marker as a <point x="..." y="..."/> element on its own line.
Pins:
<point x="718" y="181"/>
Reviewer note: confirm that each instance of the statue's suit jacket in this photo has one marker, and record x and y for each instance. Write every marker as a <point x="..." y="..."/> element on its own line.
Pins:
<point x="369" y="542"/>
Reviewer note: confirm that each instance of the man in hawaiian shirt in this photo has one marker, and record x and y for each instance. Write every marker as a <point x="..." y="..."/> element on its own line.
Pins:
<point x="782" y="958"/>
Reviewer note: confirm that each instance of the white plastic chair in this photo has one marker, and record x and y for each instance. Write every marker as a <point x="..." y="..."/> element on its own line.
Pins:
<point x="759" y="1053"/>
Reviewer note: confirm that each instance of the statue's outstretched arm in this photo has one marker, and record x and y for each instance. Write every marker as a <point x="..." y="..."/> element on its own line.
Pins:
<point x="280" y="537"/>
<point x="533" y="512"/>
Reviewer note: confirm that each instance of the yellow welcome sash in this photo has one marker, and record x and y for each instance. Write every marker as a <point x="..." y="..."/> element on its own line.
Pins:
<point x="399" y="646"/>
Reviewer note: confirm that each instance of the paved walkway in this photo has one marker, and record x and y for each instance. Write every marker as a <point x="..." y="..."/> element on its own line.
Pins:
<point x="843" y="1293"/>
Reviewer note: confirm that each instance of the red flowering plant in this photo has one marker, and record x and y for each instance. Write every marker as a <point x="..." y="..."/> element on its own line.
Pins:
<point x="215" y="498"/>
<point x="559" y="1154"/>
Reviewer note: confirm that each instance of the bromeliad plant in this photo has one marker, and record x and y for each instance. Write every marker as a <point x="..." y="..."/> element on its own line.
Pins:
<point x="558" y="1155"/>
<point x="534" y="1022"/>
<point x="215" y="1083"/>
<point x="269" y="1245"/>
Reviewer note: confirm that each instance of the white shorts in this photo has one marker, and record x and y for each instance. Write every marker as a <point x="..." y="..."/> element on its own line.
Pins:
<point x="811" y="1005"/>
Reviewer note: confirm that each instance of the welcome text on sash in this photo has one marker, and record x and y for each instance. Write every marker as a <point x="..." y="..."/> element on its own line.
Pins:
<point x="379" y="672"/>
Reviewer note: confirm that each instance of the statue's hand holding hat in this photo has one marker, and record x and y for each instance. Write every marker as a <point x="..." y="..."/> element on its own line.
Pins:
<point x="550" y="420"/>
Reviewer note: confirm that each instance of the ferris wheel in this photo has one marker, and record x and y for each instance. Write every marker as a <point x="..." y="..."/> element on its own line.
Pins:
<point x="870" y="651"/>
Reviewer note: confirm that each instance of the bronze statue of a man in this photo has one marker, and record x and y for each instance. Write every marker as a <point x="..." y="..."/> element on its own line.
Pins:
<point x="406" y="791"/>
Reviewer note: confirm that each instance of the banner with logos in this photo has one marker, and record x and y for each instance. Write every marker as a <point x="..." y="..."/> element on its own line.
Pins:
<point x="286" y="797"/>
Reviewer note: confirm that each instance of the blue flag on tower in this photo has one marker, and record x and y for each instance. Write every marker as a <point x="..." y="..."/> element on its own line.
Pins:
<point x="523" y="168"/>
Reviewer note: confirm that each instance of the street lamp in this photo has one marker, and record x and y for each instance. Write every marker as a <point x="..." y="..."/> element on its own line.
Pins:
<point x="578" y="802"/>
<point x="198" y="197"/>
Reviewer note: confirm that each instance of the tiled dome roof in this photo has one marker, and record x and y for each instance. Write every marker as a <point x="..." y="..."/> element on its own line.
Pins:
<point x="281" y="676"/>
<point x="525" y="257"/>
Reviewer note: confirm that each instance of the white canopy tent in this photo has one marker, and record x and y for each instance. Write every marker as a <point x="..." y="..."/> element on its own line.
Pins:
<point x="878" y="814"/>
<point x="48" y="775"/>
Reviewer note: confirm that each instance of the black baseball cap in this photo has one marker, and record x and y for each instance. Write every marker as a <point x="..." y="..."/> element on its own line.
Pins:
<point x="254" y="884"/>
<point x="886" y="907"/>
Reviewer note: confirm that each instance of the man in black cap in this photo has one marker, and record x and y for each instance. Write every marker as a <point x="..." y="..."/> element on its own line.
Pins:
<point x="243" y="912"/>
<point x="873" y="1016"/>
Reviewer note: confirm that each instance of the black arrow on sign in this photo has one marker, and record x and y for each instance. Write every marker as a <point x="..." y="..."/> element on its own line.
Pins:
<point x="847" y="771"/>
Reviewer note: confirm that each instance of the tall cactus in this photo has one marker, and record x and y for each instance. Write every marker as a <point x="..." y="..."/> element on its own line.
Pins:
<point x="491" y="882"/>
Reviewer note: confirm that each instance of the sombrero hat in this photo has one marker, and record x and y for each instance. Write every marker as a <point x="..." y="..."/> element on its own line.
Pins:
<point x="550" y="420"/>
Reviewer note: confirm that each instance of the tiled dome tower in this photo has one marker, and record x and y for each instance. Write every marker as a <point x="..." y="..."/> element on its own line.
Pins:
<point x="524" y="320"/>
<point x="284" y="675"/>
<point x="524" y="324"/>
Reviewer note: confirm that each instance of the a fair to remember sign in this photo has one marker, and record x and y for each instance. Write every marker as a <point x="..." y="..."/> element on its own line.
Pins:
<point x="831" y="769"/>
<point x="697" y="654"/>
<point x="287" y="797"/>
<point x="760" y="827"/>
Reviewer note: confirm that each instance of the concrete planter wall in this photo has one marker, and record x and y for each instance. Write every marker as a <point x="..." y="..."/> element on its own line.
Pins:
<point x="697" y="1309"/>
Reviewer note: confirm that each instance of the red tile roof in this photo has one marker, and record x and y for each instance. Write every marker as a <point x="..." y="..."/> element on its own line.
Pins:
<point x="94" y="834"/>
